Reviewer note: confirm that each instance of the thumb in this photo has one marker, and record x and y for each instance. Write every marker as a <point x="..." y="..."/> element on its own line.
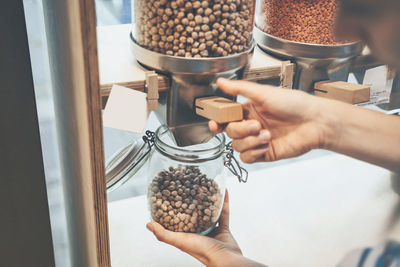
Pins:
<point x="224" y="218"/>
<point x="250" y="90"/>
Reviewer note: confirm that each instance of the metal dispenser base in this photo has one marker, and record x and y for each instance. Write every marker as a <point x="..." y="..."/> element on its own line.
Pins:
<point x="313" y="62"/>
<point x="190" y="78"/>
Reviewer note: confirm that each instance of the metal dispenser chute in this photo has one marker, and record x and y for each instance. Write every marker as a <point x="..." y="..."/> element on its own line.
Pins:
<point x="190" y="79"/>
<point x="313" y="62"/>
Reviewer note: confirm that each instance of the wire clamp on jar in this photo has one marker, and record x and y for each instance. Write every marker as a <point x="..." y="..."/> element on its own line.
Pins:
<point x="233" y="164"/>
<point x="149" y="138"/>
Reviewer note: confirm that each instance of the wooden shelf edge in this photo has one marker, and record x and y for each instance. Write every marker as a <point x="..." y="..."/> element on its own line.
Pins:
<point x="249" y="75"/>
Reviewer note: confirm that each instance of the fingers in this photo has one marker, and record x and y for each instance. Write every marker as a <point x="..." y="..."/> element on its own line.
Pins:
<point x="251" y="142"/>
<point x="224" y="218"/>
<point x="253" y="155"/>
<point x="236" y="130"/>
<point x="215" y="127"/>
<point x="195" y="245"/>
<point x="189" y="243"/>
<point x="162" y="234"/>
<point x="253" y="91"/>
<point x="242" y="129"/>
<point x="249" y="139"/>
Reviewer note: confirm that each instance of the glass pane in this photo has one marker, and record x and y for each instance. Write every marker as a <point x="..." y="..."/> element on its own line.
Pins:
<point x="44" y="100"/>
<point x="110" y="13"/>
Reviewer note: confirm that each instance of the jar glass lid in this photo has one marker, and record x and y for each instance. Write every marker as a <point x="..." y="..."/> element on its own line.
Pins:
<point x="127" y="160"/>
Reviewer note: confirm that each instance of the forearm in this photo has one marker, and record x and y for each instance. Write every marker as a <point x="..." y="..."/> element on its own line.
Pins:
<point x="367" y="135"/>
<point x="236" y="260"/>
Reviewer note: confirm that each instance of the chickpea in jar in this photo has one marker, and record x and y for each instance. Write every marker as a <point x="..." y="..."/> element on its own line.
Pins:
<point x="183" y="199"/>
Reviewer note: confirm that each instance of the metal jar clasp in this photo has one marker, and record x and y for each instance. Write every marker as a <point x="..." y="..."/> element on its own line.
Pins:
<point x="233" y="164"/>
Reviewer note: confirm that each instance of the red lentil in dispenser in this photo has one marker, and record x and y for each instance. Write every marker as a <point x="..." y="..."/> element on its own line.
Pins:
<point x="305" y="21"/>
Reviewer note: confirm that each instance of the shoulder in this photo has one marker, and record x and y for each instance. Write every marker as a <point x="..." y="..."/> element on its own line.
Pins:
<point x="386" y="254"/>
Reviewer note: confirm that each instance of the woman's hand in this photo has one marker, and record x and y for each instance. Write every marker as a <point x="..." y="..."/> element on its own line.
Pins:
<point x="282" y="123"/>
<point x="217" y="249"/>
<point x="278" y="123"/>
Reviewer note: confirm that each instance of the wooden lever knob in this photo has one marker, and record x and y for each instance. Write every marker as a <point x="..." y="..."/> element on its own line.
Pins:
<point x="347" y="92"/>
<point x="219" y="109"/>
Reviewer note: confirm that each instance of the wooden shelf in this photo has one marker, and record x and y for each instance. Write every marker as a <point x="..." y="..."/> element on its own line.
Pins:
<point x="118" y="66"/>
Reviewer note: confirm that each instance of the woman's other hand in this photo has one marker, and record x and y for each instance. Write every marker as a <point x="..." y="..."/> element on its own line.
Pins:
<point x="217" y="249"/>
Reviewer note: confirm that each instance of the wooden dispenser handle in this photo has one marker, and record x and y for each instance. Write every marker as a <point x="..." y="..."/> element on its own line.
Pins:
<point x="219" y="109"/>
<point x="343" y="91"/>
<point x="151" y="88"/>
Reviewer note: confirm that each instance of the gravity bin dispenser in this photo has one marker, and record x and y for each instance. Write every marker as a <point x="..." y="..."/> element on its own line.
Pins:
<point x="193" y="43"/>
<point x="303" y="32"/>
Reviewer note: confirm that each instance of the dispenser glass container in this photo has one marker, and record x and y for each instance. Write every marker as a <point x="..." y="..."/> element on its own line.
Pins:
<point x="186" y="185"/>
<point x="302" y="21"/>
<point x="194" y="28"/>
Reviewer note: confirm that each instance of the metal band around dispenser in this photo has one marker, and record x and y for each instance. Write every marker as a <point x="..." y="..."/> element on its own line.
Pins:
<point x="290" y="49"/>
<point x="176" y="64"/>
<point x="233" y="165"/>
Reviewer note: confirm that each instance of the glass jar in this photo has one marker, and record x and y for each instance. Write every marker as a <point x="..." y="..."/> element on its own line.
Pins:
<point x="186" y="185"/>
<point x="194" y="28"/>
<point x="302" y="21"/>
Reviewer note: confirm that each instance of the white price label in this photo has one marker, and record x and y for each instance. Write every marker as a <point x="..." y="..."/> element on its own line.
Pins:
<point x="381" y="86"/>
<point x="126" y="109"/>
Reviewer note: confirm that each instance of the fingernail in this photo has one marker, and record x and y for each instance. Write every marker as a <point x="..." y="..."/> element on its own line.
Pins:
<point x="149" y="226"/>
<point x="264" y="136"/>
<point x="253" y="127"/>
<point x="221" y="79"/>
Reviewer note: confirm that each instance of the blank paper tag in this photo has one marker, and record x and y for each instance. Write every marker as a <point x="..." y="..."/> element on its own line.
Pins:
<point x="126" y="109"/>
<point x="381" y="86"/>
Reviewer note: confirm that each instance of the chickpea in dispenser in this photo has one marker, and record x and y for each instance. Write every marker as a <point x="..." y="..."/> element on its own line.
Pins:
<point x="194" y="28"/>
